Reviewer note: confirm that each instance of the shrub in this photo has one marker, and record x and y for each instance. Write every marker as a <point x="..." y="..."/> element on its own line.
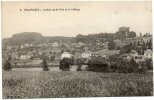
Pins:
<point x="65" y="64"/>
<point x="7" y="66"/>
<point x="142" y="68"/>
<point x="98" y="64"/>
<point x="149" y="64"/>
<point x="124" y="66"/>
<point x="79" y="62"/>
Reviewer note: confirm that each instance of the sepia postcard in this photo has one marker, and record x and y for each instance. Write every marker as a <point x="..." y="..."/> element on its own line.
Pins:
<point x="74" y="49"/>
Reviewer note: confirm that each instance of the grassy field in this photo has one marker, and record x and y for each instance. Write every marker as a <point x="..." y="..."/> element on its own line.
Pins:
<point x="41" y="84"/>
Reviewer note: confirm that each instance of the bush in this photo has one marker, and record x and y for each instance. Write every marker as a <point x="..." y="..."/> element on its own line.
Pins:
<point x="65" y="64"/>
<point x="98" y="64"/>
<point x="79" y="62"/>
<point x="7" y="66"/>
<point x="142" y="68"/>
<point x="124" y="66"/>
<point x="149" y="64"/>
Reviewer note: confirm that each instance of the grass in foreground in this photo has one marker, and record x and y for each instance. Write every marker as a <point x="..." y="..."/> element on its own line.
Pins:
<point x="74" y="84"/>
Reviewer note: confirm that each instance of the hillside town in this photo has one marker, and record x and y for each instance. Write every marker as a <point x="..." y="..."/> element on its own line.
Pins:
<point x="31" y="54"/>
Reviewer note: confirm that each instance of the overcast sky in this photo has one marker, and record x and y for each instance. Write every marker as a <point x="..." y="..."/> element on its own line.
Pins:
<point x="93" y="17"/>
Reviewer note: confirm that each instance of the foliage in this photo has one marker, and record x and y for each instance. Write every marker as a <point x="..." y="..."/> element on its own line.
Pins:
<point x="132" y="46"/>
<point x="29" y="37"/>
<point x="142" y="68"/>
<point x="79" y="62"/>
<point x="65" y="64"/>
<point x="124" y="66"/>
<point x="149" y="64"/>
<point x="45" y="65"/>
<point x="7" y="66"/>
<point x="98" y="64"/>
<point x="114" y="58"/>
<point x="111" y="45"/>
<point x="131" y="34"/>
<point x="126" y="49"/>
<point x="144" y="47"/>
<point x="80" y="84"/>
<point x="150" y="45"/>
<point x="91" y="38"/>
<point x="52" y="58"/>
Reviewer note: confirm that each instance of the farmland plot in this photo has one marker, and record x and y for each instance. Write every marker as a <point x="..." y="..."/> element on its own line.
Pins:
<point x="39" y="84"/>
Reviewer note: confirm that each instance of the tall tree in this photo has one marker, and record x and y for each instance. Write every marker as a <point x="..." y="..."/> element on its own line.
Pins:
<point x="143" y="47"/>
<point x="138" y="43"/>
<point x="150" y="45"/>
<point x="45" y="65"/>
<point x="52" y="58"/>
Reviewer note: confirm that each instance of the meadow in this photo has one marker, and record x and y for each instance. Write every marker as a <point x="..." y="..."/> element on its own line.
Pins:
<point x="50" y="84"/>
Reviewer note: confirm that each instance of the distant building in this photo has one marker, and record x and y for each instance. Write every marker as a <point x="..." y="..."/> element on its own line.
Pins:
<point x="15" y="56"/>
<point x="118" y="42"/>
<point x="81" y="43"/>
<point x="66" y="55"/>
<point x="55" y="44"/>
<point x="134" y="53"/>
<point x="25" y="56"/>
<point x="139" y="58"/>
<point x="126" y="56"/>
<point x="86" y="54"/>
<point x="77" y="55"/>
<point x="22" y="46"/>
<point x="9" y="47"/>
<point x="148" y="54"/>
<point x="124" y="31"/>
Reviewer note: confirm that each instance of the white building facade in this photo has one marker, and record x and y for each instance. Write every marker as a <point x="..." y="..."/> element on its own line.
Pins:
<point x="66" y="55"/>
<point x="86" y="54"/>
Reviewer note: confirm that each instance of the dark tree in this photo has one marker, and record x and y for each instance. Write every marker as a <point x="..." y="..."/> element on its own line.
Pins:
<point x="150" y="45"/>
<point x="149" y="64"/>
<point x="147" y="44"/>
<point x="138" y="43"/>
<point x="98" y="64"/>
<point x="113" y="58"/>
<point x="126" y="49"/>
<point x="7" y="66"/>
<point x="143" y="47"/>
<point x="45" y="65"/>
<point x="65" y="64"/>
<point x="131" y="44"/>
<point x="142" y="68"/>
<point x="52" y="58"/>
<point x="133" y="66"/>
<point x="79" y="62"/>
<point x="111" y="45"/>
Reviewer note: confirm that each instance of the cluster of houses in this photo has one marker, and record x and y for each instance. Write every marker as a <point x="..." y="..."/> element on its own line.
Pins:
<point x="33" y="57"/>
<point x="106" y="53"/>
<point x="138" y="58"/>
<point x="32" y="53"/>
